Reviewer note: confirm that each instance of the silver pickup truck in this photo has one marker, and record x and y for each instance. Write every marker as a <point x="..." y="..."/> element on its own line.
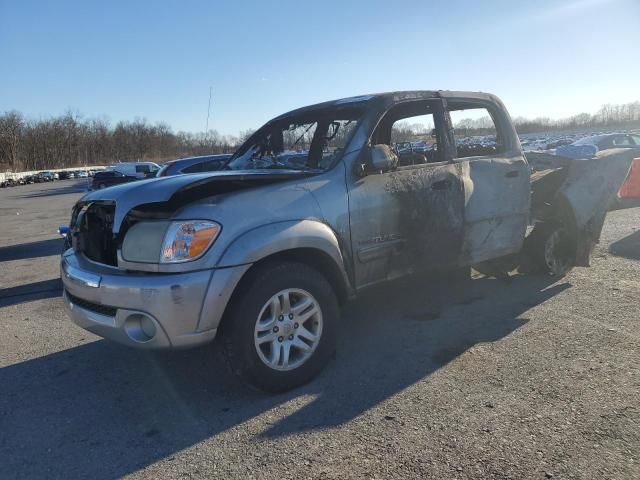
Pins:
<point x="313" y="208"/>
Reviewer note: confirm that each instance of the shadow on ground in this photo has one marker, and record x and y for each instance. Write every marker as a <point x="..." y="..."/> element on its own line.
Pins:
<point x="101" y="411"/>
<point x="77" y="186"/>
<point x="627" y="247"/>
<point x="30" y="292"/>
<point x="43" y="248"/>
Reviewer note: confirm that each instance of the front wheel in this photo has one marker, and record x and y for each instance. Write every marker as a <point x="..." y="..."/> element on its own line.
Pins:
<point x="280" y="330"/>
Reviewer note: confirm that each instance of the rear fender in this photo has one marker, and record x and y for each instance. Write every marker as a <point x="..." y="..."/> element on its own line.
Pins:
<point x="588" y="192"/>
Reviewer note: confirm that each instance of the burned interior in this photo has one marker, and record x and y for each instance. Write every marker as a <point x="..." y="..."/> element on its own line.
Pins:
<point x="312" y="140"/>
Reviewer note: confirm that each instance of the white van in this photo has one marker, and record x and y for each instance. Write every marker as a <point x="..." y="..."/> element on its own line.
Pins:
<point x="136" y="169"/>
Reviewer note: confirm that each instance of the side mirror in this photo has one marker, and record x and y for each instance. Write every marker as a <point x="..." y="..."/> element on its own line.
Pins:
<point x="381" y="158"/>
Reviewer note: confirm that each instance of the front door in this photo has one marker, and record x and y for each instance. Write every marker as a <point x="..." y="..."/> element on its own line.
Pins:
<point x="411" y="218"/>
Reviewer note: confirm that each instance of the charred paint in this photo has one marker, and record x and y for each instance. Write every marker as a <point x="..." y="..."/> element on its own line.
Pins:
<point x="431" y="213"/>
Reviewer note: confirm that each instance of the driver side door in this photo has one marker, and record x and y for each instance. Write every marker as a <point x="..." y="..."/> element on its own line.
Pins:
<point x="409" y="218"/>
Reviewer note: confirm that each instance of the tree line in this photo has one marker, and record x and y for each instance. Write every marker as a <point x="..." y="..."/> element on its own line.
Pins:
<point x="608" y="117"/>
<point x="623" y="116"/>
<point x="69" y="140"/>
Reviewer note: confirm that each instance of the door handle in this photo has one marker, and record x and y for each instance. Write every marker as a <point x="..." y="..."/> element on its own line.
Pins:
<point x="441" y="185"/>
<point x="512" y="174"/>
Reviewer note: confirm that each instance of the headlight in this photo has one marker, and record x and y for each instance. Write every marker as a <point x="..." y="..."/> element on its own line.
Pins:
<point x="186" y="241"/>
<point x="168" y="242"/>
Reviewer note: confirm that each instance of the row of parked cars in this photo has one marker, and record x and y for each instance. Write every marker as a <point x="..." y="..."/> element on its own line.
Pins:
<point x="131" y="171"/>
<point x="47" y="176"/>
<point x="125" y="172"/>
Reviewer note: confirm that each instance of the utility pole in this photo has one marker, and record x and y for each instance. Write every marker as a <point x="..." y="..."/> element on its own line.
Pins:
<point x="208" y="110"/>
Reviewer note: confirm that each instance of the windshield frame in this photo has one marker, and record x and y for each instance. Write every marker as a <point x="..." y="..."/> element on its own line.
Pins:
<point x="355" y="113"/>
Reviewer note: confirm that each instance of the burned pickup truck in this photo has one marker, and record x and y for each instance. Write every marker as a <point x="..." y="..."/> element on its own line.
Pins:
<point x="312" y="209"/>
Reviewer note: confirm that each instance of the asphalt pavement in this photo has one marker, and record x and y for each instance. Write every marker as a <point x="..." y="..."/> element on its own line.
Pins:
<point x="526" y="378"/>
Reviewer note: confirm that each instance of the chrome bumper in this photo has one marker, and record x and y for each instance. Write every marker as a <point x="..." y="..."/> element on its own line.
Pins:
<point x="152" y="311"/>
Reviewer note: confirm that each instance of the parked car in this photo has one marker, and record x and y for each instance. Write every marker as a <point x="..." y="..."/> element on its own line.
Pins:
<point x="265" y="251"/>
<point x="136" y="169"/>
<point x="82" y="174"/>
<point x="47" y="176"/>
<point x="64" y="175"/>
<point x="110" y="177"/>
<point x="206" y="163"/>
<point x="589" y="146"/>
<point x="9" y="182"/>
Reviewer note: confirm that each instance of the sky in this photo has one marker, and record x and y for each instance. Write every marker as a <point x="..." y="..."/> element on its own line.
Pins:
<point x="157" y="60"/>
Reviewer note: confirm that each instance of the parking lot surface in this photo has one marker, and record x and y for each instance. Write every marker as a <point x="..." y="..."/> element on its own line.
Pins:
<point x="527" y="378"/>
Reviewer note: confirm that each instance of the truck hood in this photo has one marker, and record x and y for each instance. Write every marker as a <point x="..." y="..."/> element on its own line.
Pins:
<point x="182" y="189"/>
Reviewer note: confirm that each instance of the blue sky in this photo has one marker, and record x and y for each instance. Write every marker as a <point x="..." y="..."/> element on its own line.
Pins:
<point x="157" y="59"/>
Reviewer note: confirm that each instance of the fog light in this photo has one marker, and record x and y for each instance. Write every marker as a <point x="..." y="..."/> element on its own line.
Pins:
<point x="140" y="328"/>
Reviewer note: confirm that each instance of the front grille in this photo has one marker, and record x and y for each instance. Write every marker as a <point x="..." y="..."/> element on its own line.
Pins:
<point x="93" y="307"/>
<point x="95" y="233"/>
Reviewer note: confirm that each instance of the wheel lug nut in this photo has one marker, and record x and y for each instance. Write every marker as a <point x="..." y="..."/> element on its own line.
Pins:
<point x="281" y="317"/>
<point x="275" y="329"/>
<point x="291" y="316"/>
<point x="290" y="337"/>
<point x="280" y="339"/>
<point x="295" y="325"/>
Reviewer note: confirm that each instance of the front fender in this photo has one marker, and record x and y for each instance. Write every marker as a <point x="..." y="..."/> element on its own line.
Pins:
<point x="267" y="240"/>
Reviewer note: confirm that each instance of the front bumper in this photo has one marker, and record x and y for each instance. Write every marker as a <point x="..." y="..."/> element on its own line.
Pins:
<point x="143" y="310"/>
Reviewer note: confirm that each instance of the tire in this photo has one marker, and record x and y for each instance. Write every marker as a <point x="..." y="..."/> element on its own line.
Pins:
<point x="257" y="325"/>
<point x="550" y="249"/>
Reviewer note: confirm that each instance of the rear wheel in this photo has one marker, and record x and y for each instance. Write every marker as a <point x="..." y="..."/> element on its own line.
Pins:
<point x="551" y="249"/>
<point x="281" y="331"/>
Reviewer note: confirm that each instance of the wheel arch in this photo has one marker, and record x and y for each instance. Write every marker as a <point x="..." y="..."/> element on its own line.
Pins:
<point x="312" y="257"/>
<point x="305" y="241"/>
<point x="560" y="211"/>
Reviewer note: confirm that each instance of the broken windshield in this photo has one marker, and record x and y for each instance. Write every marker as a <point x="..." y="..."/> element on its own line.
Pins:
<point x="312" y="142"/>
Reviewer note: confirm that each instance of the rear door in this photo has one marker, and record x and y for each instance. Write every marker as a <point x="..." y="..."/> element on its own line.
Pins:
<point x="498" y="188"/>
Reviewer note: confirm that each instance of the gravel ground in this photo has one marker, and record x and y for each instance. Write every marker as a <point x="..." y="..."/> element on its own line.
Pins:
<point x="519" y="379"/>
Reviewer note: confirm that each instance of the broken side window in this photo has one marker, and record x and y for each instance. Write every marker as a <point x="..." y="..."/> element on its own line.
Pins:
<point x="409" y="128"/>
<point x="313" y="141"/>
<point x="474" y="130"/>
<point x="414" y="140"/>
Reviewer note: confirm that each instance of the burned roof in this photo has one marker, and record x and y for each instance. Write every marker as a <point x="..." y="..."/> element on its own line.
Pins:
<point x="390" y="98"/>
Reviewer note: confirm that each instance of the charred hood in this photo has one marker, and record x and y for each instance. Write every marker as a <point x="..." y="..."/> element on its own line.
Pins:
<point x="180" y="190"/>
